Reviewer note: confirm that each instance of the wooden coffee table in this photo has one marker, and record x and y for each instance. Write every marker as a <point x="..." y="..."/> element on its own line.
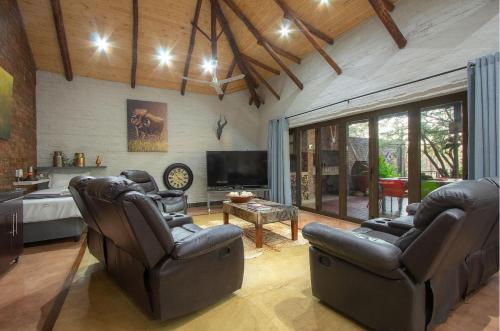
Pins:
<point x="277" y="213"/>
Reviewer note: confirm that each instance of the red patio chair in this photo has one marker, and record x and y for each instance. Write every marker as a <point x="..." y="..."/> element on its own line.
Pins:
<point x="393" y="188"/>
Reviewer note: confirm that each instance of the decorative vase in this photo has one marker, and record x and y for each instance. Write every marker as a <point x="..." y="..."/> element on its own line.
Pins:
<point x="98" y="161"/>
<point x="57" y="160"/>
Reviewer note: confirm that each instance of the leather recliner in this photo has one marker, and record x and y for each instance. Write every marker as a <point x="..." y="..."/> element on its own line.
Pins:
<point x="169" y="201"/>
<point x="480" y="264"/>
<point x="412" y="281"/>
<point x="95" y="238"/>
<point x="169" y="272"/>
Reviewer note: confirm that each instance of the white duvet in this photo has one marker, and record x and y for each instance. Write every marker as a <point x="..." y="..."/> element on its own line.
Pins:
<point x="48" y="209"/>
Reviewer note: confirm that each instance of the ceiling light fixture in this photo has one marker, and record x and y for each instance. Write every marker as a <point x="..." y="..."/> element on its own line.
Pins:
<point x="164" y="56"/>
<point x="209" y="65"/>
<point x="285" y="28"/>
<point x="101" y="43"/>
<point x="324" y="2"/>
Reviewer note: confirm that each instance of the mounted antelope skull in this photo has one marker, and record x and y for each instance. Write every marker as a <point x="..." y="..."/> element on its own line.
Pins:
<point x="220" y="126"/>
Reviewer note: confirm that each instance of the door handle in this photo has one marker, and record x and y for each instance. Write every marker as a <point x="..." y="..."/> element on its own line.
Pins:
<point x="13" y="226"/>
<point x="16" y="221"/>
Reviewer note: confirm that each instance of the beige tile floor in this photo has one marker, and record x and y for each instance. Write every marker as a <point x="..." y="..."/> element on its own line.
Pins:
<point x="276" y="295"/>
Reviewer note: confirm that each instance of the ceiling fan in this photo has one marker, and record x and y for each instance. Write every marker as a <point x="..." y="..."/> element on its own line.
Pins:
<point x="215" y="83"/>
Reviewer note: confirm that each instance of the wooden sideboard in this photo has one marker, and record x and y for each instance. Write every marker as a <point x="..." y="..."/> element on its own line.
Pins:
<point x="11" y="228"/>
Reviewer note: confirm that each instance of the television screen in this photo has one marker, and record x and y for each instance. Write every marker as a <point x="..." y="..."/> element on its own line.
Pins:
<point x="237" y="168"/>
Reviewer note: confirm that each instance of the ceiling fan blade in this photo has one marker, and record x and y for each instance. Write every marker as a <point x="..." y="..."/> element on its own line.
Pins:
<point x="231" y="79"/>
<point x="197" y="80"/>
<point x="218" y="89"/>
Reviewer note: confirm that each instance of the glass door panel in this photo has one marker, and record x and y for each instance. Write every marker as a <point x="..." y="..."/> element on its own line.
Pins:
<point x="308" y="168"/>
<point x="441" y="145"/>
<point x="293" y="166"/>
<point x="329" y="162"/>
<point x="357" y="169"/>
<point x="392" y="165"/>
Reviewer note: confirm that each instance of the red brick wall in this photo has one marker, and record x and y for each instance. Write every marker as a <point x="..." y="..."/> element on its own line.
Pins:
<point x="16" y="58"/>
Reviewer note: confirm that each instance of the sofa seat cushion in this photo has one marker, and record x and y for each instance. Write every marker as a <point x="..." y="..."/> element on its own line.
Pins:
<point x="377" y="234"/>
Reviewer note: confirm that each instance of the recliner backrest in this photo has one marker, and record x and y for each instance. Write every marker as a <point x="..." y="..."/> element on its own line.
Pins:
<point x="454" y="220"/>
<point x="130" y="219"/>
<point x="77" y="187"/>
<point x="142" y="178"/>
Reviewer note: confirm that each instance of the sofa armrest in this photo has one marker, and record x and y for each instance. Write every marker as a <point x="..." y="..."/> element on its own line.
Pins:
<point x="411" y="209"/>
<point x="153" y="196"/>
<point x="206" y="241"/>
<point x="170" y="193"/>
<point x="370" y="253"/>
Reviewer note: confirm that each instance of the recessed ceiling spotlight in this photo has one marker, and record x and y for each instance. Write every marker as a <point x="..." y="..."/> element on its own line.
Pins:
<point x="164" y="56"/>
<point x="324" y="2"/>
<point x="101" y="43"/>
<point x="285" y="28"/>
<point x="209" y="65"/>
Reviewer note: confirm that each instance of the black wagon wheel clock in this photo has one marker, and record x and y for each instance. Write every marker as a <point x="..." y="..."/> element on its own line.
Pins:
<point x="178" y="176"/>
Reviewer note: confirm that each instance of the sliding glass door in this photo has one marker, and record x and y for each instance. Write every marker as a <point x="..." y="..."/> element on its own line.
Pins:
<point x="372" y="165"/>
<point x="330" y="169"/>
<point x="392" y="141"/>
<point x="357" y="169"/>
<point x="308" y="168"/>
<point x="441" y="146"/>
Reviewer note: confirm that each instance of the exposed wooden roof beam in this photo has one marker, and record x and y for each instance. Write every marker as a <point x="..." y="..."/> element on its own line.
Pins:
<point x="260" y="64"/>
<point x="236" y="51"/>
<point x="307" y="33"/>
<point x="282" y="52"/>
<point x="61" y="38"/>
<point x="213" y="32"/>
<point x="388" y="5"/>
<point x="390" y="25"/>
<point x="191" y="46"/>
<point x="201" y="31"/>
<point x="135" y="33"/>
<point x="314" y="31"/>
<point x="263" y="81"/>
<point x="263" y="42"/>
<point x="229" y="74"/>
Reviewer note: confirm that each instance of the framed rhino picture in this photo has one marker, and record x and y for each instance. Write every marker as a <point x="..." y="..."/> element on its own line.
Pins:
<point x="147" y="126"/>
<point x="6" y="85"/>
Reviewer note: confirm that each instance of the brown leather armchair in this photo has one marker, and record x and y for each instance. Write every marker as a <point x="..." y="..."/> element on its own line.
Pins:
<point x="168" y="271"/>
<point x="410" y="281"/>
<point x="169" y="201"/>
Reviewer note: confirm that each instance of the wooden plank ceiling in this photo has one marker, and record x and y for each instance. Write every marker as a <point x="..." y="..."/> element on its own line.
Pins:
<point x="167" y="24"/>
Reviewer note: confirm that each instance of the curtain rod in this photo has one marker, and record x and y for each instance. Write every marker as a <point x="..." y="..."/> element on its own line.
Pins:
<point x="378" y="91"/>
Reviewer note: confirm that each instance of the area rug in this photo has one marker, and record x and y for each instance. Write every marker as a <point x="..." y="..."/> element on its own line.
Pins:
<point x="276" y="236"/>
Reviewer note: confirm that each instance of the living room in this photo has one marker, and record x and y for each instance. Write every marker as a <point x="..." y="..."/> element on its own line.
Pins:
<point x="270" y="165"/>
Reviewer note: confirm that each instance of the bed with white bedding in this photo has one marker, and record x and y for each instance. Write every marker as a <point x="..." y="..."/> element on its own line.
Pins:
<point x="52" y="213"/>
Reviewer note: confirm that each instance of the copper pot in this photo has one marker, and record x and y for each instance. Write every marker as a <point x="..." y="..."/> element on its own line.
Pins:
<point x="79" y="160"/>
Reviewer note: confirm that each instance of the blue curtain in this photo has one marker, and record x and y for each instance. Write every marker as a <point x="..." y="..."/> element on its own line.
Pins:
<point x="483" y="95"/>
<point x="279" y="161"/>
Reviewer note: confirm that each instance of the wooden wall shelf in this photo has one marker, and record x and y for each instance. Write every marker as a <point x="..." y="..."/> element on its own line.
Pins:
<point x="51" y="169"/>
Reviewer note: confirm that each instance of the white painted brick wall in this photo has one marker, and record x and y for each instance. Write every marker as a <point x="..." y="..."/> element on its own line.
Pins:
<point x="89" y="115"/>
<point x="442" y="35"/>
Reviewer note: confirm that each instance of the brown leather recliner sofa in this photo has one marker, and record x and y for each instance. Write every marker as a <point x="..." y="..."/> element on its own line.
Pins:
<point x="168" y="271"/>
<point x="169" y="201"/>
<point x="95" y="238"/>
<point x="410" y="281"/>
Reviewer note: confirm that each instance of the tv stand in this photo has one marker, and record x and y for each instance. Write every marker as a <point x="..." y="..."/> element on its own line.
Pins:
<point x="227" y="189"/>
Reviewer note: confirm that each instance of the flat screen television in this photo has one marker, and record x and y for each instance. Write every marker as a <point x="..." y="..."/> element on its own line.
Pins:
<point x="237" y="169"/>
